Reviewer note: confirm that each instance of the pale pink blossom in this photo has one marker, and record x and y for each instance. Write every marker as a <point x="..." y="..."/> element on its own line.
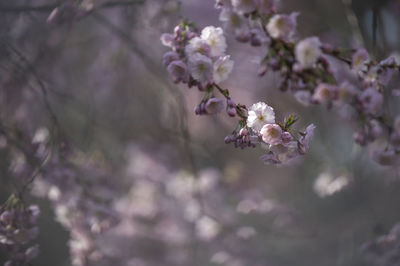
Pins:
<point x="271" y="134"/>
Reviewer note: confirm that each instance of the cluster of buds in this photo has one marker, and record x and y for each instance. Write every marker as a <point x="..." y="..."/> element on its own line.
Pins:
<point x="243" y="137"/>
<point x="313" y="71"/>
<point x="17" y="228"/>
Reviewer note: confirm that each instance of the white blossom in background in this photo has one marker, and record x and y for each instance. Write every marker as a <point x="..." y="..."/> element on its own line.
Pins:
<point x="308" y="51"/>
<point x="260" y="114"/>
<point x="283" y="26"/>
<point x="324" y="93"/>
<point x="207" y="228"/>
<point x="236" y="23"/>
<point x="222" y="68"/>
<point x="327" y="184"/>
<point x="215" y="38"/>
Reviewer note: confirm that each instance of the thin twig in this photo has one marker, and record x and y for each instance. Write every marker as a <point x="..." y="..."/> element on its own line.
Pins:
<point x="50" y="7"/>
<point x="41" y="85"/>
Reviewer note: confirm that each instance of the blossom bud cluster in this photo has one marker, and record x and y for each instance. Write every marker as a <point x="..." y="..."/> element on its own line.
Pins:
<point x="282" y="146"/>
<point x="17" y="229"/>
<point x="243" y="138"/>
<point x="200" y="60"/>
<point x="197" y="59"/>
<point x="313" y="71"/>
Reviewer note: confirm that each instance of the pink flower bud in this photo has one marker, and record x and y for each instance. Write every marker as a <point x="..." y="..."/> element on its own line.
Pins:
<point x="232" y="112"/>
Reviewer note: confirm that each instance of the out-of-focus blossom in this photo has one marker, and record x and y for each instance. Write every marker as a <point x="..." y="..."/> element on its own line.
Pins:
<point x="360" y="57"/>
<point x="207" y="228"/>
<point x="371" y="100"/>
<point x="17" y="229"/>
<point x="244" y="6"/>
<point x="201" y="68"/>
<point x="346" y="92"/>
<point x="327" y="184"/>
<point x="308" y="52"/>
<point x="324" y="93"/>
<point x="282" y="26"/>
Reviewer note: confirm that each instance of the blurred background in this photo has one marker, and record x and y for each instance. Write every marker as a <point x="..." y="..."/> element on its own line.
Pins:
<point x="182" y="196"/>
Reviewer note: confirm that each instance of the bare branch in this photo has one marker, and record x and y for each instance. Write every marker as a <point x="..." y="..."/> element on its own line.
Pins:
<point x="50" y="7"/>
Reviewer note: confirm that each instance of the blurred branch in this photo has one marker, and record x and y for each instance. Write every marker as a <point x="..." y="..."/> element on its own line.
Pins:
<point x="353" y="21"/>
<point x="50" y="7"/>
<point x="375" y="14"/>
<point x="41" y="85"/>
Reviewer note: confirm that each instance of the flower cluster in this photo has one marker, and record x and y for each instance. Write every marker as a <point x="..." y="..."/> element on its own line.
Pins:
<point x="82" y="199"/>
<point x="17" y="229"/>
<point x="197" y="59"/>
<point x="282" y="145"/>
<point x="200" y="60"/>
<point x="314" y="72"/>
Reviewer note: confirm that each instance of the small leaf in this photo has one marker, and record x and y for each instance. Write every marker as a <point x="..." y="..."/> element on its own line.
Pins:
<point x="289" y="121"/>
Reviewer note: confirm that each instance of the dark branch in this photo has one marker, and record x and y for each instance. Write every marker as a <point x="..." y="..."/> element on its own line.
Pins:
<point x="50" y="7"/>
